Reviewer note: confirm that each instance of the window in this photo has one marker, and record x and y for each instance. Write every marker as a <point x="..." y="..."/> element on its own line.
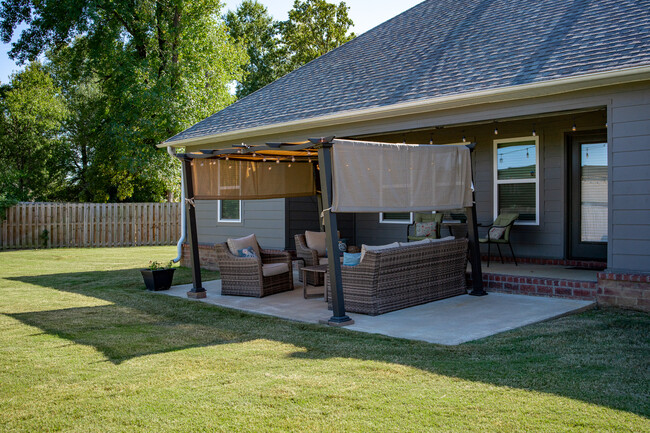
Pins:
<point x="516" y="185"/>
<point x="396" y="217"/>
<point x="229" y="211"/>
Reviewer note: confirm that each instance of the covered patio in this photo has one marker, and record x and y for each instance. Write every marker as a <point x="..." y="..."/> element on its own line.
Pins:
<point x="397" y="177"/>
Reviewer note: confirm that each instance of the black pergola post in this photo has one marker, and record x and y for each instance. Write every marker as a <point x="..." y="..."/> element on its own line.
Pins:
<point x="339" y="318"/>
<point x="474" y="246"/>
<point x="197" y="291"/>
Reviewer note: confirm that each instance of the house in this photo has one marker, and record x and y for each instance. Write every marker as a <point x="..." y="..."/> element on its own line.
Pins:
<point x="556" y="95"/>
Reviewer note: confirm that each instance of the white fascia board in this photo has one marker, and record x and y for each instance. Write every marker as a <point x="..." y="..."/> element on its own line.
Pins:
<point x="524" y="91"/>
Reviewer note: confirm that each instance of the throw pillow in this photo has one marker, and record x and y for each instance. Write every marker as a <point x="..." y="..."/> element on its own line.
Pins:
<point x="247" y="252"/>
<point x="240" y="243"/>
<point x="496" y="233"/>
<point x="427" y="229"/>
<point x="351" y="259"/>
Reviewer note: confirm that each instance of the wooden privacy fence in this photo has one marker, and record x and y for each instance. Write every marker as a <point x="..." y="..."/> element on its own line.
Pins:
<point x="59" y="225"/>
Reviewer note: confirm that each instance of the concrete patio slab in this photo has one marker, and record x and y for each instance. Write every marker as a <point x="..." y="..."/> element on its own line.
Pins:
<point x="449" y="321"/>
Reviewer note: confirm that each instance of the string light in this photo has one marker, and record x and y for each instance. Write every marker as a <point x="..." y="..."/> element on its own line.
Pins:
<point x="573" y="128"/>
<point x="404" y="138"/>
<point x="309" y="160"/>
<point x="264" y="159"/>
<point x="289" y="165"/>
<point x="527" y="156"/>
<point x="496" y="130"/>
<point x="277" y="161"/>
<point x="293" y="159"/>
<point x="254" y="154"/>
<point x="431" y="138"/>
<point x="464" y="138"/>
<point x="227" y="158"/>
<point x="534" y="132"/>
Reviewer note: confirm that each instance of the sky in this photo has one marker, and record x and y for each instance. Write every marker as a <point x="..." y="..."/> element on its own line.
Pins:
<point x="366" y="14"/>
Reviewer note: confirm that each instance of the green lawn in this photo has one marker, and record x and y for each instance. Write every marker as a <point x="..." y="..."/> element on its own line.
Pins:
<point x="84" y="348"/>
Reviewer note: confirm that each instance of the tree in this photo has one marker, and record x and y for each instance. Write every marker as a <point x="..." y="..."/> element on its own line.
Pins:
<point x="252" y="27"/>
<point x="314" y="28"/>
<point x="150" y="69"/>
<point x="275" y="48"/>
<point x="33" y="157"/>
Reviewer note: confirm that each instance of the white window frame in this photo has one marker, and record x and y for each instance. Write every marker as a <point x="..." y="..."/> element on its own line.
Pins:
<point x="498" y="182"/>
<point x="227" y="220"/>
<point x="383" y="221"/>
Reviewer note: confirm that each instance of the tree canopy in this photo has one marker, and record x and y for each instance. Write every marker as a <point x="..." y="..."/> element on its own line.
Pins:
<point x="147" y="71"/>
<point x="275" y="48"/>
<point x="32" y="152"/>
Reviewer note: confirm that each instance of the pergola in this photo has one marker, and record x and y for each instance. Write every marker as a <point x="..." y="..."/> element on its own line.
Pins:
<point x="279" y="170"/>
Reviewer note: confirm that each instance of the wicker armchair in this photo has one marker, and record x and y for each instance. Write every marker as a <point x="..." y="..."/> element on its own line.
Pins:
<point x="244" y="276"/>
<point x="310" y="257"/>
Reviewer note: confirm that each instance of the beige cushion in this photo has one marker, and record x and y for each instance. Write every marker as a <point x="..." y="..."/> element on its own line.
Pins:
<point x="448" y="238"/>
<point x="316" y="241"/>
<point x="410" y="244"/>
<point x="365" y="248"/>
<point x="322" y="261"/>
<point x="270" y="269"/>
<point x="240" y="243"/>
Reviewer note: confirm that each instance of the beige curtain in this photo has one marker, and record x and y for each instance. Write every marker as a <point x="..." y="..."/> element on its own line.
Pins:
<point x="375" y="177"/>
<point x="220" y="179"/>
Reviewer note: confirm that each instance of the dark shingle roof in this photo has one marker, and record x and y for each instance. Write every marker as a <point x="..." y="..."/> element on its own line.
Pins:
<point x="447" y="47"/>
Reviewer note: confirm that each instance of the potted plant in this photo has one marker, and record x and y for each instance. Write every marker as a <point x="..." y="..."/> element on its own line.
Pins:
<point x="158" y="276"/>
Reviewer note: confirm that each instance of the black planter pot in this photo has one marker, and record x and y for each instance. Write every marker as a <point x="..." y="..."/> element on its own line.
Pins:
<point x="160" y="279"/>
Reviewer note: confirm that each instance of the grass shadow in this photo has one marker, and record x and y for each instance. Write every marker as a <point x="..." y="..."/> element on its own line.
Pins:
<point x="600" y="357"/>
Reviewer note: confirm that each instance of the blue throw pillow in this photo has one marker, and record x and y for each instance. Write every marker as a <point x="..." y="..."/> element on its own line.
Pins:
<point x="351" y="259"/>
<point x="247" y="252"/>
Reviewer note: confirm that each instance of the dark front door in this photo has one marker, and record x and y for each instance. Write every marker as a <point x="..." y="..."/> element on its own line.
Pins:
<point x="588" y="196"/>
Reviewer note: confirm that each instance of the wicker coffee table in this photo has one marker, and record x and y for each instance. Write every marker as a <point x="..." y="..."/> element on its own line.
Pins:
<point x="315" y="270"/>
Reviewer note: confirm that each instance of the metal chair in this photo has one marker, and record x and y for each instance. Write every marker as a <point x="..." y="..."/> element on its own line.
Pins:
<point x="504" y="221"/>
<point x="423" y="218"/>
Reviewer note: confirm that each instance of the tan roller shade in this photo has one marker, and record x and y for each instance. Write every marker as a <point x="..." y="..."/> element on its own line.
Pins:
<point x="388" y="177"/>
<point x="220" y="179"/>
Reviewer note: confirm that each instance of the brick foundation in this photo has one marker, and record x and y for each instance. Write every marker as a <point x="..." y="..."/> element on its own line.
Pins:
<point x="624" y="290"/>
<point x="556" y="262"/>
<point x="207" y="256"/>
<point x="572" y="289"/>
<point x="612" y="289"/>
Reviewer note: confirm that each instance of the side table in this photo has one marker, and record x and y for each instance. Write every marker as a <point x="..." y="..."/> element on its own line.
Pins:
<point x="315" y="270"/>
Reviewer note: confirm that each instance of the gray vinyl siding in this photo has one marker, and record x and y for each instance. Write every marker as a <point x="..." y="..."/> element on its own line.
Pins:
<point x="371" y="232"/>
<point x="265" y="218"/>
<point x="302" y="214"/>
<point x="629" y="182"/>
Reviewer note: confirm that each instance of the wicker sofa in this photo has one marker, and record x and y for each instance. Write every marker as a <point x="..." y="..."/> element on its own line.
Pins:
<point x="404" y="276"/>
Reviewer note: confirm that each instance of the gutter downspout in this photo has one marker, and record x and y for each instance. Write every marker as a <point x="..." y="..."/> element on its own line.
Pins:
<point x="179" y="245"/>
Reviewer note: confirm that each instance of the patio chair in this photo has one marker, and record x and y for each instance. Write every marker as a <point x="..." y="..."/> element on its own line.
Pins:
<point x="267" y="273"/>
<point x="499" y="233"/>
<point x="312" y="256"/>
<point x="425" y="226"/>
